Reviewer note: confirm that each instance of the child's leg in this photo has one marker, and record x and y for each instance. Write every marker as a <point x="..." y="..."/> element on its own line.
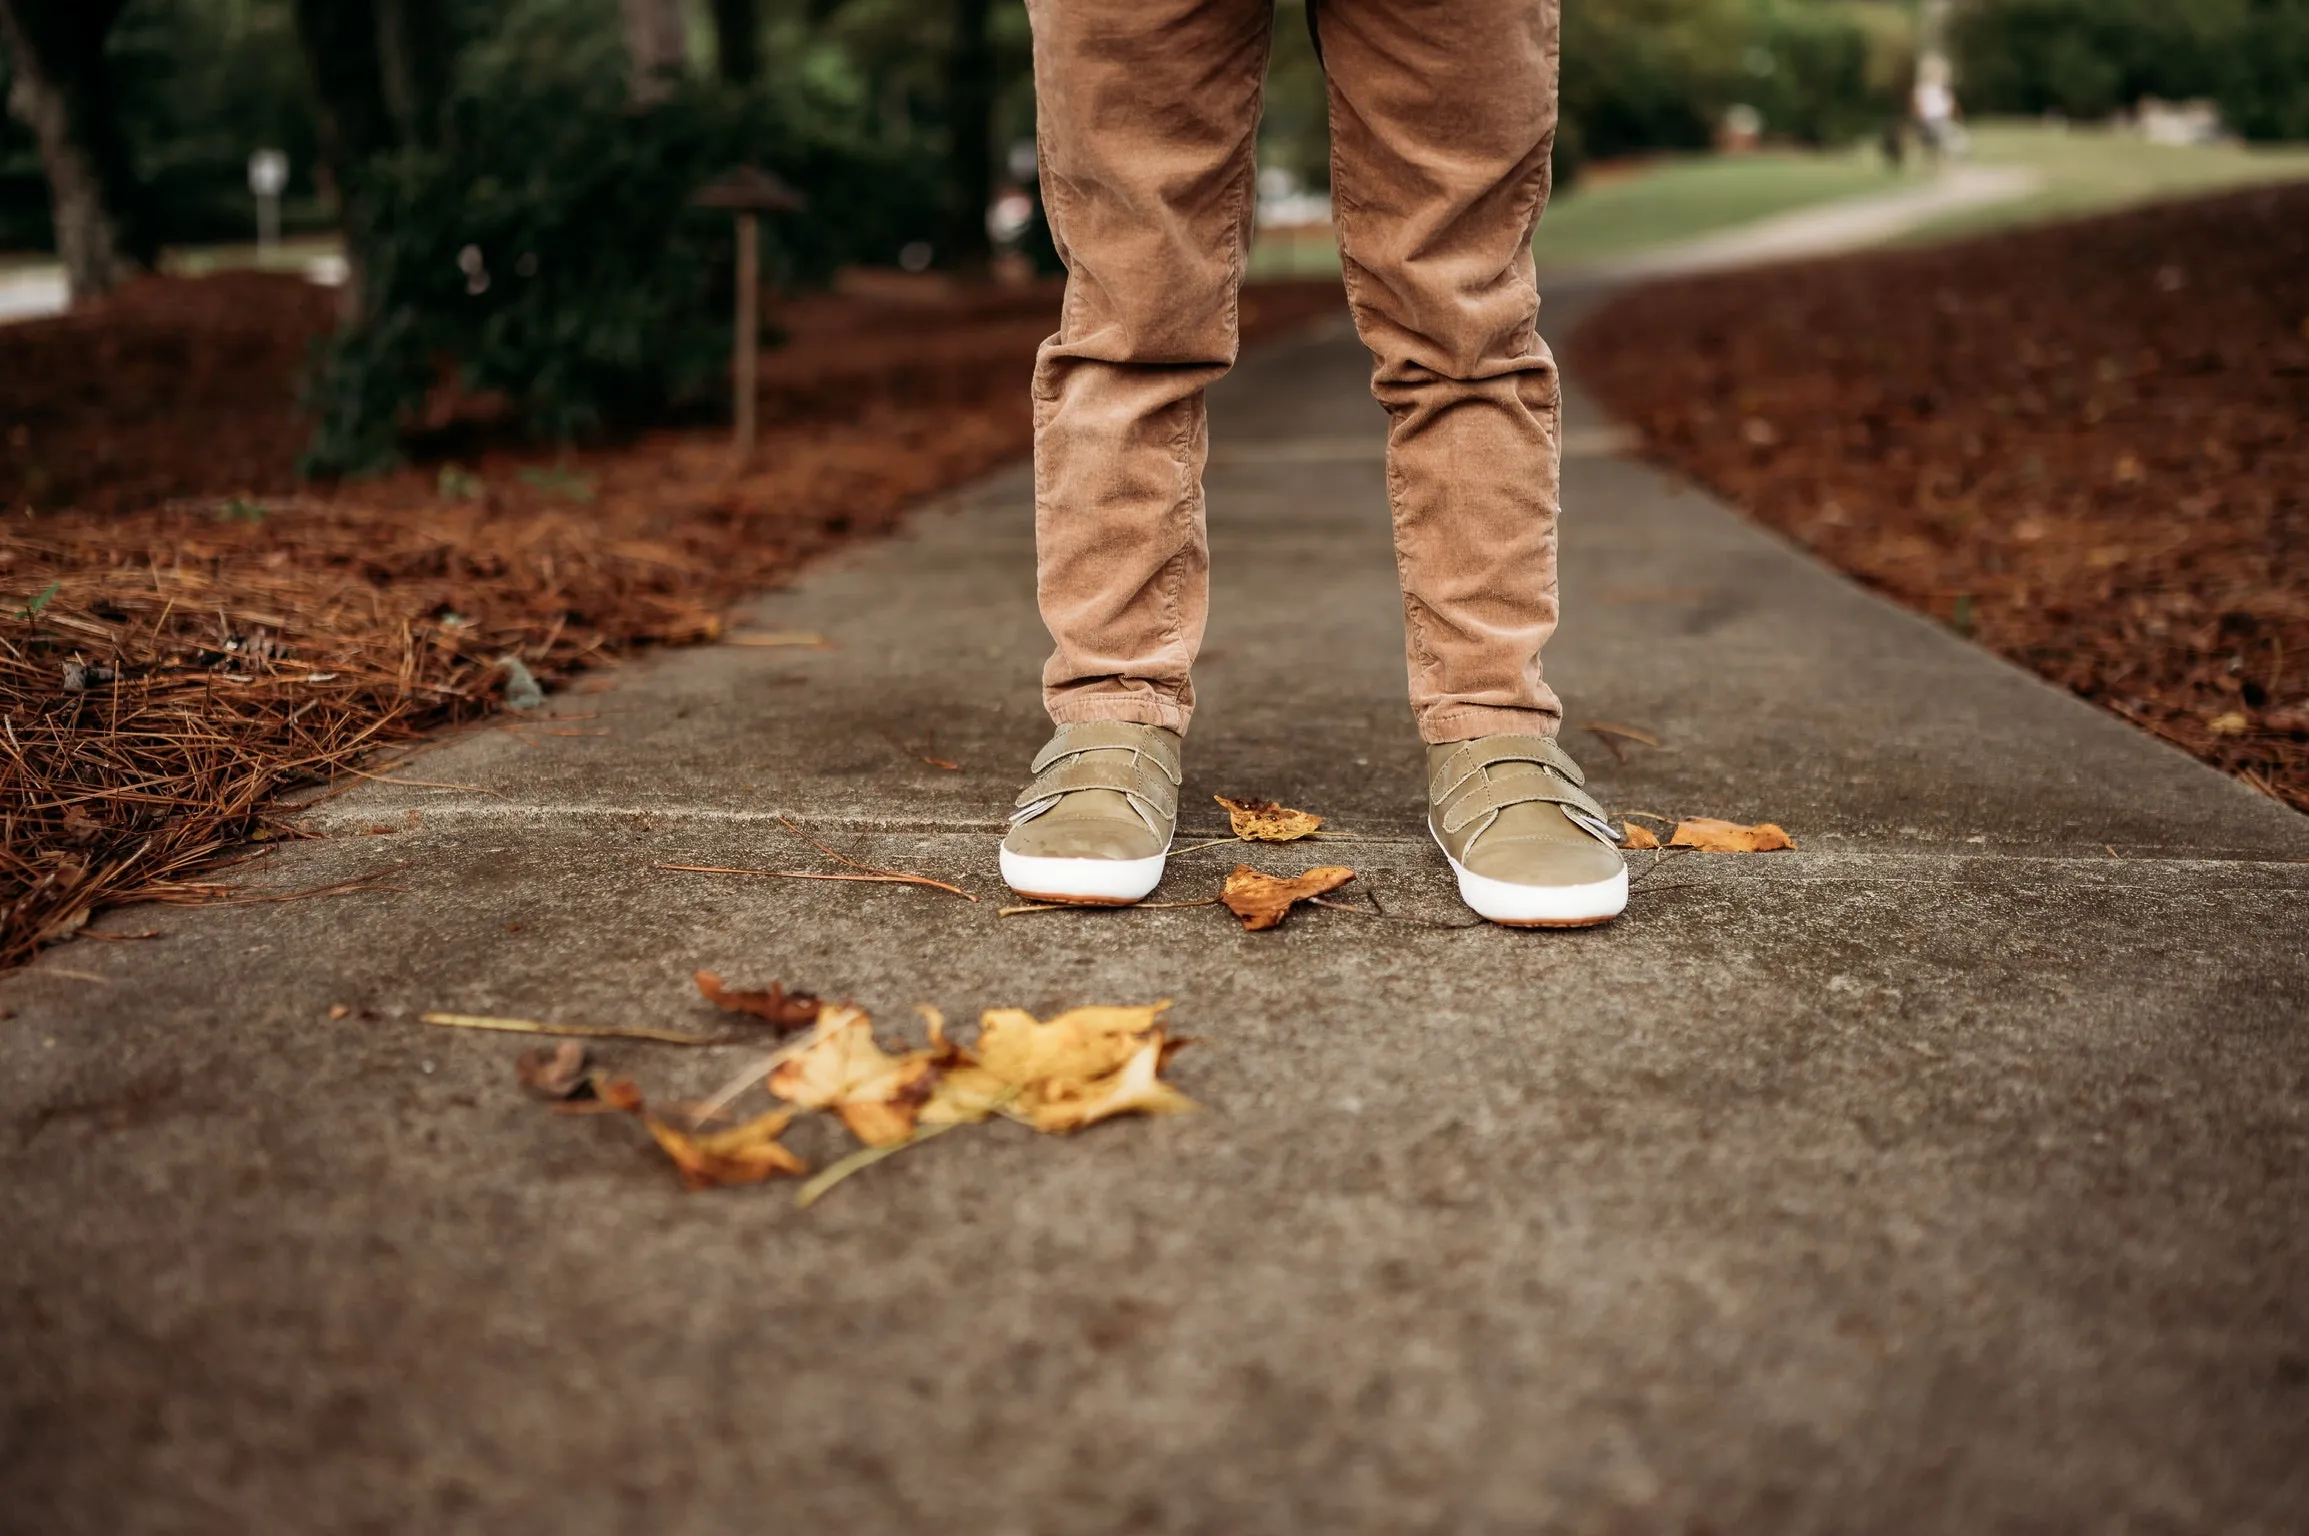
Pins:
<point x="1148" y="119"/>
<point x="1443" y="119"/>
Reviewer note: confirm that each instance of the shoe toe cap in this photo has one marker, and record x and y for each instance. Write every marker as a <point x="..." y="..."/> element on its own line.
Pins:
<point x="1081" y="838"/>
<point x="1548" y="862"/>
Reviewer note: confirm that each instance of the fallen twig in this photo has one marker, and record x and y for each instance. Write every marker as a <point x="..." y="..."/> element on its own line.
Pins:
<point x="200" y="896"/>
<point x="795" y="638"/>
<point x="578" y="1031"/>
<point x="903" y="876"/>
<point x="1389" y="917"/>
<point x="865" y="1157"/>
<point x="478" y="789"/>
<point x="1659" y="856"/>
<point x="722" y="1097"/>
<point x="877" y="877"/>
<point x="927" y="754"/>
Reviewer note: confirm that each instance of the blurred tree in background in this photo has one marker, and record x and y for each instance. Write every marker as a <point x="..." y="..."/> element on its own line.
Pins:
<point x="2090" y="58"/>
<point x="511" y="176"/>
<point x="543" y="237"/>
<point x="61" y="87"/>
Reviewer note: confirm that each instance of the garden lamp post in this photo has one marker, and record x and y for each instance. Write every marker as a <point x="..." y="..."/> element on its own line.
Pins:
<point x="268" y="174"/>
<point x="748" y="192"/>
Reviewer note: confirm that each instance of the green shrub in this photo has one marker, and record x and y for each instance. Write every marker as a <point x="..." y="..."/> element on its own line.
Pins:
<point x="549" y="252"/>
<point x="1645" y="75"/>
<point x="2263" y="83"/>
<point x="1827" y="74"/>
<point x="2091" y="58"/>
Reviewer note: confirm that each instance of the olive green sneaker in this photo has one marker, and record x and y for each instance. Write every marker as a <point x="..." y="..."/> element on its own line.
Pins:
<point x="1096" y="823"/>
<point x="1529" y="846"/>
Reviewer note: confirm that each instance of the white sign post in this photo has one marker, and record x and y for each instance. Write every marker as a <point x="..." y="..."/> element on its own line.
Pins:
<point x="268" y="174"/>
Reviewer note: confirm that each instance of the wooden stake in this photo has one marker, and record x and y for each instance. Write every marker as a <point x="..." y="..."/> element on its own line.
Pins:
<point x="749" y="329"/>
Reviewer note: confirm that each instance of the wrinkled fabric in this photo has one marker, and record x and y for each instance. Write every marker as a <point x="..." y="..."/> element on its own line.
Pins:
<point x="1443" y="117"/>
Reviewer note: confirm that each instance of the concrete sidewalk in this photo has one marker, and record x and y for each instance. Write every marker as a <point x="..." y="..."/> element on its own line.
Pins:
<point x="1951" y="1174"/>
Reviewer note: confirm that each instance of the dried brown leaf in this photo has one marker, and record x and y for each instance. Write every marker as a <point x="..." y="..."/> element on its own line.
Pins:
<point x="1709" y="835"/>
<point x="788" y="1011"/>
<point x="619" y="1093"/>
<point x="1632" y="733"/>
<point x="1637" y="837"/>
<point x="744" y="1154"/>
<point x="558" y="1073"/>
<point x="1263" y="821"/>
<point x="1263" y="901"/>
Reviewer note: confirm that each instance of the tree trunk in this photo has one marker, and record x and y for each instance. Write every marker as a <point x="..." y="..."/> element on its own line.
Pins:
<point x="656" y="45"/>
<point x="970" y="122"/>
<point x="63" y="93"/>
<point x="413" y="61"/>
<point x="738" y="40"/>
<point x="339" y="41"/>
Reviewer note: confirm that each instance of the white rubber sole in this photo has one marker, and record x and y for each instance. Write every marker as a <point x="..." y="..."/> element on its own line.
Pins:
<point x="1104" y="882"/>
<point x="1539" y="906"/>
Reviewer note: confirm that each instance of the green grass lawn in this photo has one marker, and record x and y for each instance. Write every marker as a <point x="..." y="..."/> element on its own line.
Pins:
<point x="1619" y="209"/>
<point x="2091" y="170"/>
<point x="291" y="255"/>
<point x="1616" y="212"/>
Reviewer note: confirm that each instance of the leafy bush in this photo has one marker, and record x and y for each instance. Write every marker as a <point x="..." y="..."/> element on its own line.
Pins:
<point x="1830" y="74"/>
<point x="1647" y="75"/>
<point x="1643" y="75"/>
<point x="549" y="250"/>
<point x="2091" y="58"/>
<point x="2263" y="83"/>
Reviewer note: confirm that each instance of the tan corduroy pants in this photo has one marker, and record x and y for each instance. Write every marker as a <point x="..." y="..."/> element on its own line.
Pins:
<point x="1442" y="121"/>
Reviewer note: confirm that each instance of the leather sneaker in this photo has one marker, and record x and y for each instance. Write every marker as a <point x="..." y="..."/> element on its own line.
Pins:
<point x="1096" y="823"/>
<point x="1529" y="846"/>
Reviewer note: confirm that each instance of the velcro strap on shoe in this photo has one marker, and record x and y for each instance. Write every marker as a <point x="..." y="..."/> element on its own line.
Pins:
<point x="1485" y="751"/>
<point x="1134" y="779"/>
<point x="1523" y="789"/>
<point x="1112" y="736"/>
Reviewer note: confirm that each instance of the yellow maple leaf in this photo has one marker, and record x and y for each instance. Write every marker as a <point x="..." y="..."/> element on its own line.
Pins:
<point x="1078" y="1045"/>
<point x="841" y="1068"/>
<point x="1060" y="1074"/>
<point x="1134" y="1090"/>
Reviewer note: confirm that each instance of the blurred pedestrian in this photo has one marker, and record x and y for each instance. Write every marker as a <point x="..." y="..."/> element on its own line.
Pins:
<point x="1939" y="125"/>
<point x="1443" y="118"/>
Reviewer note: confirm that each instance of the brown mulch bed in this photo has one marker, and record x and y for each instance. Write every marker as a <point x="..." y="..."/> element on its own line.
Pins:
<point x="2084" y="446"/>
<point x="187" y="634"/>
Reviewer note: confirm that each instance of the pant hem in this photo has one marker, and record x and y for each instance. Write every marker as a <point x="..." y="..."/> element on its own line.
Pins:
<point x="1464" y="722"/>
<point x="1133" y="708"/>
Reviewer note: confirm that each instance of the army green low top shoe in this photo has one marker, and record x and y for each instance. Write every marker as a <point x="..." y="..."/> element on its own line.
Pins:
<point x="1096" y="823"/>
<point x="1529" y="846"/>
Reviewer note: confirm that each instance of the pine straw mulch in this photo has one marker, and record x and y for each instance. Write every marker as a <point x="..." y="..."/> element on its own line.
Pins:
<point x="2084" y="446"/>
<point x="201" y="636"/>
